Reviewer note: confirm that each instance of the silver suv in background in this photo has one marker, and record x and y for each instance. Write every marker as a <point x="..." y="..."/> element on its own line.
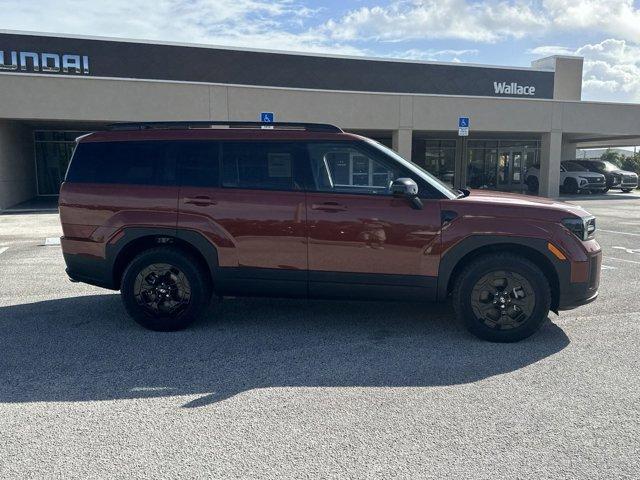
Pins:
<point x="574" y="178"/>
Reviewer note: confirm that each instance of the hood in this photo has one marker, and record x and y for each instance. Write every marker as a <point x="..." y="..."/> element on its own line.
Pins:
<point x="517" y="205"/>
<point x="622" y="172"/>
<point x="586" y="174"/>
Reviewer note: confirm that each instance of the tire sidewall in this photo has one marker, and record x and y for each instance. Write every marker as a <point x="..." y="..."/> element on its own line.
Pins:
<point x="187" y="265"/>
<point x="522" y="267"/>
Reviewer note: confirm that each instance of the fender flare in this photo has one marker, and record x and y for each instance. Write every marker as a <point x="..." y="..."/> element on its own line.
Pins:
<point x="451" y="258"/>
<point x="126" y="236"/>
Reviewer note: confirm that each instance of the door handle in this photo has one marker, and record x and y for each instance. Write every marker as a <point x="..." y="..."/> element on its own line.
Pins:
<point x="200" y="201"/>
<point x="329" y="207"/>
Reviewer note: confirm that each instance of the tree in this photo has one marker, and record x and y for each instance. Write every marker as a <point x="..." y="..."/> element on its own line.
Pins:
<point x="632" y="163"/>
<point x="613" y="157"/>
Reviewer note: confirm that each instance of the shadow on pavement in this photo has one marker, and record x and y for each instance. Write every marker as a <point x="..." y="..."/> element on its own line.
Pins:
<point x="86" y="348"/>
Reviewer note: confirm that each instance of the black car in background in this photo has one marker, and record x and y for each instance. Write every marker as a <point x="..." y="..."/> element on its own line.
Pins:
<point x="616" y="178"/>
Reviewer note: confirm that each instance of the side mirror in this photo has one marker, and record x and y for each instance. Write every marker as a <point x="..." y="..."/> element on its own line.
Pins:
<point x="406" y="188"/>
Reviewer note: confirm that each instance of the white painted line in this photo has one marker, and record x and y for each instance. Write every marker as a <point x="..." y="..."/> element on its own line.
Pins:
<point x="3" y="249"/>
<point x="608" y="267"/>
<point x="51" y="241"/>
<point x="623" y="260"/>
<point x="619" y="233"/>
<point x="628" y="250"/>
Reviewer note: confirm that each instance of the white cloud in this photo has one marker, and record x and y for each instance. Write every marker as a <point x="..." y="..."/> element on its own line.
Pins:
<point x="611" y="68"/>
<point x="273" y="24"/>
<point x="488" y="21"/>
<point x="433" y="55"/>
<point x="615" y="17"/>
<point x="548" y="50"/>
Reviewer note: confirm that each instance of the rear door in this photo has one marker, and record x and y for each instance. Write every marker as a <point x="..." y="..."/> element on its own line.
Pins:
<point x="245" y="199"/>
<point x="363" y="242"/>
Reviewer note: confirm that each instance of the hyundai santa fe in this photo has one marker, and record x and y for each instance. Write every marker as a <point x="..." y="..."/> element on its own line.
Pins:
<point x="173" y="213"/>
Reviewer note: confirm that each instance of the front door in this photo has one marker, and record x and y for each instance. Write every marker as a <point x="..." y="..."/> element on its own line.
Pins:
<point x="243" y="196"/>
<point x="510" y="175"/>
<point x="363" y="242"/>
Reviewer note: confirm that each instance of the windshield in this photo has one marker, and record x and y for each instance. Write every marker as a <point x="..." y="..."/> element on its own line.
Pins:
<point x="420" y="172"/>
<point x="573" y="167"/>
<point x="610" y="167"/>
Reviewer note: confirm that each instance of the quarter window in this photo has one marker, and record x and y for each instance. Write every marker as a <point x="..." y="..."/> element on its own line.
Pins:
<point x="134" y="163"/>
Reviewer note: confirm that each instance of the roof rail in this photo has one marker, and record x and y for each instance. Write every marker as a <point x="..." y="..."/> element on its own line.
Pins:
<point x="311" y="127"/>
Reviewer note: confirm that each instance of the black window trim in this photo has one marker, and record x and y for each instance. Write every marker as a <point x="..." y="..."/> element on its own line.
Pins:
<point x="423" y="187"/>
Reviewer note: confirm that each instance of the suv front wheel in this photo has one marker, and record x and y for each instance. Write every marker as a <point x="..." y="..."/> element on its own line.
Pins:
<point x="165" y="289"/>
<point x="502" y="297"/>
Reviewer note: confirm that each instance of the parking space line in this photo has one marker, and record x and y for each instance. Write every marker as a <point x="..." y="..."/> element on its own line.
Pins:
<point x="623" y="260"/>
<point x="628" y="250"/>
<point x="620" y="233"/>
<point x="608" y="267"/>
<point x="3" y="249"/>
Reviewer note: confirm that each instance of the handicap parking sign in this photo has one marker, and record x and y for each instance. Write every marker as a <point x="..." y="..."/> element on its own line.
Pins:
<point x="463" y="122"/>
<point x="267" y="117"/>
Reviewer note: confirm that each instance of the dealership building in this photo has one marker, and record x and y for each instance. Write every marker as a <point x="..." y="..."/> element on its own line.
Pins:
<point x="54" y="88"/>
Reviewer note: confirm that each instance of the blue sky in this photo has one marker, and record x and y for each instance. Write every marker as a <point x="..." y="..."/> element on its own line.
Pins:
<point x="501" y="32"/>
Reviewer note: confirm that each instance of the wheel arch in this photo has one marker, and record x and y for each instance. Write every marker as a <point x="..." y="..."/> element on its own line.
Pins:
<point x="132" y="241"/>
<point x="535" y="250"/>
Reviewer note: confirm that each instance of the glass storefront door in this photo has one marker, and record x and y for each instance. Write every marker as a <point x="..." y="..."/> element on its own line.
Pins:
<point x="510" y="169"/>
<point x="500" y="164"/>
<point x="53" y="151"/>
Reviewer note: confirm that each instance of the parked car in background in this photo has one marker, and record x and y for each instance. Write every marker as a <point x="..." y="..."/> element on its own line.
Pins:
<point x="574" y="178"/>
<point x="172" y="213"/>
<point x="616" y="177"/>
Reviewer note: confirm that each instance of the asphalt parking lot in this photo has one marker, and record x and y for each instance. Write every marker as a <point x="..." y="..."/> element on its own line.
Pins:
<point x="281" y="388"/>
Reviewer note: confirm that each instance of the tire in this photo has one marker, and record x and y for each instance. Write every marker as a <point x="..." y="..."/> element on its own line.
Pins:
<point x="571" y="186"/>
<point x="532" y="184"/>
<point x="605" y="190"/>
<point x="172" y="274"/>
<point x="626" y="190"/>
<point x="471" y="286"/>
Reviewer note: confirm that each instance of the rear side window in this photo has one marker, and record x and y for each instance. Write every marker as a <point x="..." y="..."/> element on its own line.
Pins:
<point x="198" y="163"/>
<point x="137" y="163"/>
<point x="259" y="165"/>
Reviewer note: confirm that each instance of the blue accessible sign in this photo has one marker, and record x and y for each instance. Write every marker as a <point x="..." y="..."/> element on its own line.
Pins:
<point x="267" y="117"/>
<point x="463" y="126"/>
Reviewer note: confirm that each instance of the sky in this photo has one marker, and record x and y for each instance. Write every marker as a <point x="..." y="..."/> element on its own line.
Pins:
<point x="497" y="32"/>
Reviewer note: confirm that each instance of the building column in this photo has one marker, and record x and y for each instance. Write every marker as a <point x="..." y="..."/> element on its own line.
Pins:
<point x="17" y="166"/>
<point x="568" y="151"/>
<point x="550" y="157"/>
<point x="401" y="141"/>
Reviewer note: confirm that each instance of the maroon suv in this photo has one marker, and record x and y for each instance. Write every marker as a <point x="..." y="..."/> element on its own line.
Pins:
<point x="169" y="213"/>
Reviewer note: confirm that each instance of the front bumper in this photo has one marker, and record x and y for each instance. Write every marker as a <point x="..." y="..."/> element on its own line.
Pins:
<point x="575" y="294"/>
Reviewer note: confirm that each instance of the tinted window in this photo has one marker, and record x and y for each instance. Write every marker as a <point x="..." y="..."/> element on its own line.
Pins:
<point x="573" y="167"/>
<point x="259" y="165"/>
<point x="141" y="163"/>
<point x="344" y="168"/>
<point x="198" y="163"/>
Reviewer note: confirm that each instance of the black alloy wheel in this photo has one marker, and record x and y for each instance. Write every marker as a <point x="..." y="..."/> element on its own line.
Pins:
<point x="162" y="290"/>
<point x="503" y="299"/>
<point x="165" y="288"/>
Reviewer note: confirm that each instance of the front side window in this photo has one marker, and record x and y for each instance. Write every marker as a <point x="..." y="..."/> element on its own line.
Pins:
<point x="348" y="169"/>
<point x="259" y="165"/>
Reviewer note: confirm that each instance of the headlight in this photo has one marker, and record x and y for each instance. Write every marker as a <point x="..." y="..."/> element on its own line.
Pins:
<point x="584" y="228"/>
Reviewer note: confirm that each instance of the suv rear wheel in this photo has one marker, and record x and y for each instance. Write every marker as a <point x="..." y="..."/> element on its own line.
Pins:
<point x="165" y="289"/>
<point x="502" y="297"/>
